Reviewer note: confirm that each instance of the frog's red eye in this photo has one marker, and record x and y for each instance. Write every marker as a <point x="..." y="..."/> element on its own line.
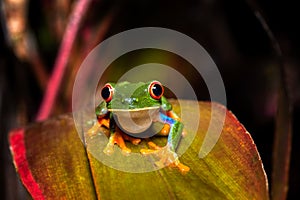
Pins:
<point x="156" y="90"/>
<point x="107" y="92"/>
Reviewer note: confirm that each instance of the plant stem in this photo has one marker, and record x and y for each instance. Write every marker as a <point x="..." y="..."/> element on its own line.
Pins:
<point x="54" y="82"/>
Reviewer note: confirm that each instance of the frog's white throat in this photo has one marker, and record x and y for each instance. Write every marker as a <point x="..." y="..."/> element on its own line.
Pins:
<point x="137" y="120"/>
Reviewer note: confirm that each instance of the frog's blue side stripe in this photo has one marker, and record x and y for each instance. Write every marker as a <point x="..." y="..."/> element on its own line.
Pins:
<point x="166" y="119"/>
<point x="175" y="130"/>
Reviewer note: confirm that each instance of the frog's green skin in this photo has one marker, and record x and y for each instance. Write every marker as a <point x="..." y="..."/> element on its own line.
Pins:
<point x="133" y="100"/>
<point x="124" y="98"/>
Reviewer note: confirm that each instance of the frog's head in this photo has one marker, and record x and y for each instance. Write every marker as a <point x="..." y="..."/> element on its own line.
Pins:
<point x="132" y="96"/>
<point x="135" y="105"/>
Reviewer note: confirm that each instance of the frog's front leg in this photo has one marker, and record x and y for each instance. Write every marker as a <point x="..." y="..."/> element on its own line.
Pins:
<point x="175" y="132"/>
<point x="167" y="154"/>
<point x="101" y="122"/>
<point x="117" y="137"/>
<point x="166" y="128"/>
<point x="167" y="108"/>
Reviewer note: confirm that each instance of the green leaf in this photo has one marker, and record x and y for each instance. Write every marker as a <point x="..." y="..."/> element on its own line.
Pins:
<point x="61" y="167"/>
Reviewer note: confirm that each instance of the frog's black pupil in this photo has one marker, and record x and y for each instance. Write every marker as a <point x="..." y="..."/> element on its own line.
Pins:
<point x="105" y="93"/>
<point x="157" y="90"/>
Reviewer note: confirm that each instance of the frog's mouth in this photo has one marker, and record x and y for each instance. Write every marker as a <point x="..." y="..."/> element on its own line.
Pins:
<point x="135" y="120"/>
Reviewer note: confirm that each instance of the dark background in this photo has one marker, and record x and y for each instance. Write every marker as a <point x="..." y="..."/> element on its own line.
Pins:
<point x="229" y="31"/>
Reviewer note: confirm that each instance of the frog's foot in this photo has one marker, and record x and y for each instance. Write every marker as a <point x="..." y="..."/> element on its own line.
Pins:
<point x="167" y="157"/>
<point x="173" y="115"/>
<point x="133" y="140"/>
<point x="153" y="149"/>
<point x="165" y="130"/>
<point x="184" y="133"/>
<point x="109" y="149"/>
<point x="182" y="167"/>
<point x="93" y="131"/>
<point x="116" y="138"/>
<point x="104" y="122"/>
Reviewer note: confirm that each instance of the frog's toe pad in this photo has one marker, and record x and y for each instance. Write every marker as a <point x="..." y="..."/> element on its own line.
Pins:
<point x="109" y="150"/>
<point x="166" y="157"/>
<point x="136" y="141"/>
<point x="153" y="146"/>
<point x="183" y="168"/>
<point x="165" y="130"/>
<point x="126" y="151"/>
<point x="148" y="151"/>
<point x="184" y="133"/>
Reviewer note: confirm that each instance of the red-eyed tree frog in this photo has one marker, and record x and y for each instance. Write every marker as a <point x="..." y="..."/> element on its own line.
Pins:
<point x="133" y="107"/>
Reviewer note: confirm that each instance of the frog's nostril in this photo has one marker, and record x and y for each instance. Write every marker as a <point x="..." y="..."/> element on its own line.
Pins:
<point x="128" y="100"/>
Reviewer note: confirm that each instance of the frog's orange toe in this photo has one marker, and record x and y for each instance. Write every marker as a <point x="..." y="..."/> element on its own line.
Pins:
<point x="104" y="122"/>
<point x="126" y="151"/>
<point x="184" y="133"/>
<point x="93" y="131"/>
<point x="136" y="141"/>
<point x="165" y="130"/>
<point x="133" y="140"/>
<point x="153" y="146"/>
<point x="109" y="149"/>
<point x="183" y="168"/>
<point x="147" y="151"/>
